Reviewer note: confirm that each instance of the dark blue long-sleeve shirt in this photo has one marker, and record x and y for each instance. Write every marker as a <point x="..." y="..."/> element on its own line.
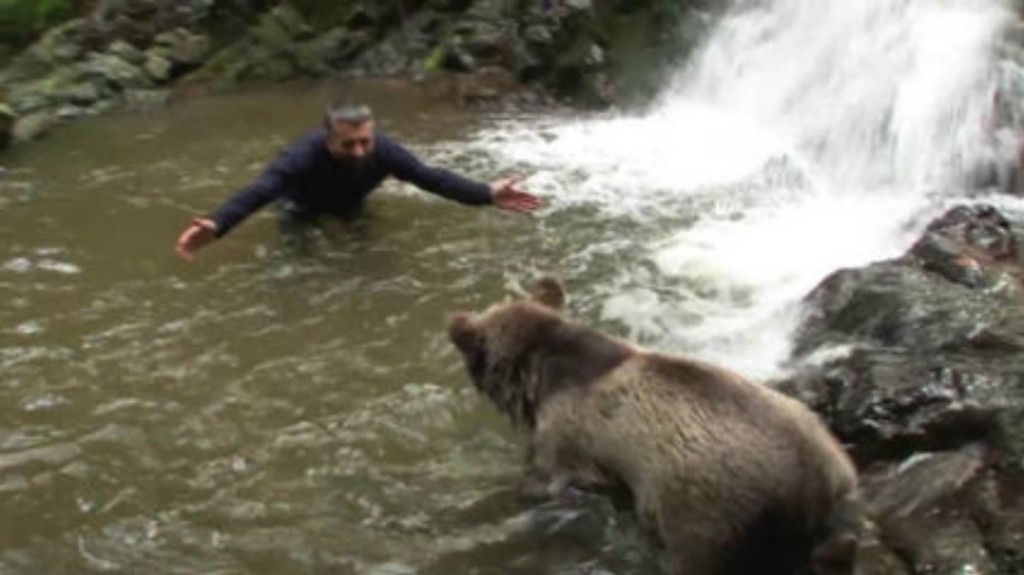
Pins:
<point x="316" y="182"/>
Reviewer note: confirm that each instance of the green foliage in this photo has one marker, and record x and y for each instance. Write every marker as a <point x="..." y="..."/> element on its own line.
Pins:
<point x="22" y="20"/>
<point x="324" y="15"/>
<point x="435" y="60"/>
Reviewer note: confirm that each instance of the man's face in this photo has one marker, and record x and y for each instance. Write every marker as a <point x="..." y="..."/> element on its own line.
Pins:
<point x="351" y="142"/>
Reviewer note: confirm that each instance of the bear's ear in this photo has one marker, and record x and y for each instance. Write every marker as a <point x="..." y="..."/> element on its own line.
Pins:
<point x="463" y="332"/>
<point x="549" y="292"/>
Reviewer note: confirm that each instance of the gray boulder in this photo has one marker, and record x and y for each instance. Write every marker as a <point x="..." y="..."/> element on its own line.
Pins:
<point x="924" y="354"/>
<point x="183" y="49"/>
<point x="115" y="72"/>
<point x="34" y="125"/>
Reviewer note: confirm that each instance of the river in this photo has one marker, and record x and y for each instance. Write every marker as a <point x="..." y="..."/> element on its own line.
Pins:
<point x="269" y="410"/>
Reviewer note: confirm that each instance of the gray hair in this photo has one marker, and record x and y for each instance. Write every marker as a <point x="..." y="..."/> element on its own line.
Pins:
<point x="346" y="112"/>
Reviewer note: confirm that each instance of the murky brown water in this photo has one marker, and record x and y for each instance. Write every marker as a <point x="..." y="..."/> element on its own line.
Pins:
<point x="259" y="410"/>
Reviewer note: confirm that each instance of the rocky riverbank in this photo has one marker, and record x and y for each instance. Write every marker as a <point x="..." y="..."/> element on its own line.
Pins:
<point x="917" y="363"/>
<point x="139" y="53"/>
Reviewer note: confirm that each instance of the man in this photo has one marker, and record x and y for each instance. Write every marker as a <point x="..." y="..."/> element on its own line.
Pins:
<point x="332" y="170"/>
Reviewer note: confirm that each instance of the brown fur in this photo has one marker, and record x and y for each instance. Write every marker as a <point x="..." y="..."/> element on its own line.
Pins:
<point x="732" y="477"/>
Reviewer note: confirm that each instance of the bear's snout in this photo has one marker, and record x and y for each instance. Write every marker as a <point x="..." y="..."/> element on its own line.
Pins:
<point x="462" y="332"/>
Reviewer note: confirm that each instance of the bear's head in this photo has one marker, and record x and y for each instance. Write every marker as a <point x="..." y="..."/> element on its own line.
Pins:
<point x="519" y="352"/>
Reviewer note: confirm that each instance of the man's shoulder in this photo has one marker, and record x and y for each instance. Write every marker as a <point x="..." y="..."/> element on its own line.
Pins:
<point x="383" y="141"/>
<point x="305" y="150"/>
<point x="312" y="141"/>
<point x="389" y="149"/>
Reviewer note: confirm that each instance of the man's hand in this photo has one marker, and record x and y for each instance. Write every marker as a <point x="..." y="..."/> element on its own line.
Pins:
<point x="198" y="234"/>
<point x="507" y="194"/>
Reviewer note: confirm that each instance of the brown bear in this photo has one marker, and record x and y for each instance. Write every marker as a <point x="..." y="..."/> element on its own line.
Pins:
<point x="731" y="476"/>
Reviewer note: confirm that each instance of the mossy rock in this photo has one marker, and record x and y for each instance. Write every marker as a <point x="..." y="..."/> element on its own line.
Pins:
<point x="282" y="25"/>
<point x="115" y="72"/>
<point x="34" y="125"/>
<point x="322" y="16"/>
<point x="158" y="67"/>
<point x="7" y="121"/>
<point x="1011" y="439"/>
<point x="182" y="48"/>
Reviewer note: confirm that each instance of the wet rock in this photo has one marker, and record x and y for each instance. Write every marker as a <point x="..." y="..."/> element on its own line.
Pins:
<point x="7" y="121"/>
<point x="137" y="30"/>
<point x="930" y="479"/>
<point x="874" y="558"/>
<point x="29" y="97"/>
<point x="184" y="49"/>
<point x="563" y="48"/>
<point x="926" y="352"/>
<point x="483" y="41"/>
<point x="539" y="34"/>
<point x="922" y="513"/>
<point x="947" y="545"/>
<point x="337" y="46"/>
<point x="157" y="67"/>
<point x="34" y="125"/>
<point x="890" y="403"/>
<point x="997" y="506"/>
<point x="112" y="71"/>
<point x="274" y="29"/>
<point x="281" y="46"/>
<point x="384" y="59"/>
<point x="288" y="23"/>
<point x="127" y="52"/>
<point x="957" y="292"/>
<point x="959" y="288"/>
<point x="62" y="45"/>
<point x="970" y="245"/>
<point x="579" y="5"/>
<point x="82" y="94"/>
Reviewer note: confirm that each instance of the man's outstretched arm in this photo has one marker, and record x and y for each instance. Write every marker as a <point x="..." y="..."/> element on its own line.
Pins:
<point x="505" y="194"/>
<point x="271" y="185"/>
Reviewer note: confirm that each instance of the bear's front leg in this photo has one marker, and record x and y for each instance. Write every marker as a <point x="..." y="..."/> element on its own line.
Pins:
<point x="541" y="481"/>
<point x="555" y="464"/>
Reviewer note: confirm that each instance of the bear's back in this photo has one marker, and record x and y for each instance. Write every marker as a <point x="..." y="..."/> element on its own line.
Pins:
<point x="704" y="449"/>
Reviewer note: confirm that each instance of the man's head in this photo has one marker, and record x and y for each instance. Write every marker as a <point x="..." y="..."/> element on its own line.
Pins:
<point x="349" y="131"/>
